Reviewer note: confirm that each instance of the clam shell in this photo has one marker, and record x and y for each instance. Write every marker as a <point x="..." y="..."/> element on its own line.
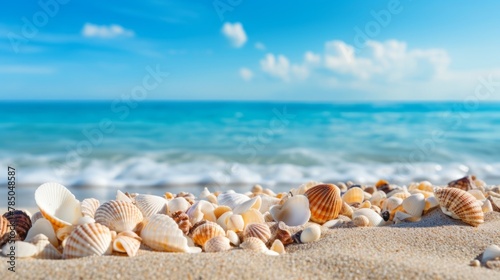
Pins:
<point x="35" y="217"/>
<point x="353" y="195"/>
<point x="88" y="240"/>
<point x="235" y="223"/>
<point x="377" y="198"/>
<point x="45" y="249"/>
<point x="89" y="206"/>
<point x="233" y="237"/>
<point x="151" y="204"/>
<point x="492" y="252"/>
<point x="43" y="226"/>
<point x="221" y="209"/>
<point x="310" y="233"/>
<point x="217" y="244"/>
<point x="21" y="222"/>
<point x="391" y="203"/>
<point x="430" y="203"/>
<point x="374" y="218"/>
<point x="254" y="244"/>
<point x="466" y="183"/>
<point x="257" y="230"/>
<point x="232" y="199"/>
<point x="4" y="230"/>
<point x="178" y="204"/>
<point x="161" y="233"/>
<point x="294" y="212"/>
<point x="461" y="205"/>
<point x="361" y="221"/>
<point x="324" y="202"/>
<point x="58" y="205"/>
<point x="414" y="204"/>
<point x="206" y="231"/>
<point x="22" y="249"/>
<point x="118" y="215"/>
<point x="278" y="247"/>
<point x="127" y="242"/>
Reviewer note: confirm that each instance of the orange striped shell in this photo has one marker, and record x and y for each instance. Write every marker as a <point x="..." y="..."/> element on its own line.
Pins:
<point x="324" y="202"/>
<point x="461" y="205"/>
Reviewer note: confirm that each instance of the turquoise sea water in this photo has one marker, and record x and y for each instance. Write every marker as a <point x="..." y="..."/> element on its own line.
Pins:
<point x="102" y="146"/>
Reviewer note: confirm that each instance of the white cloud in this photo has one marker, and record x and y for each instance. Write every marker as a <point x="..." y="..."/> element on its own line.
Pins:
<point x="105" y="31"/>
<point x="246" y="74"/>
<point x="280" y="67"/>
<point x="235" y="34"/>
<point x="260" y="46"/>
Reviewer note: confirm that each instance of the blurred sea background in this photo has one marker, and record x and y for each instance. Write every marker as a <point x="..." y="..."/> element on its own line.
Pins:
<point x="96" y="148"/>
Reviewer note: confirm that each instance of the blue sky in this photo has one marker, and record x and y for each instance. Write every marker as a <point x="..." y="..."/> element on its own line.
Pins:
<point x="250" y="50"/>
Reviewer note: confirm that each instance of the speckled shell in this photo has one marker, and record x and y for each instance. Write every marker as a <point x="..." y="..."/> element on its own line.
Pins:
<point x="324" y="202"/>
<point x="58" y="205"/>
<point x="161" y="233"/>
<point x="127" y="242"/>
<point x="361" y="221"/>
<point x="466" y="183"/>
<point x="461" y="205"/>
<point x="88" y="240"/>
<point x="217" y="244"/>
<point x="45" y="249"/>
<point x="206" y="231"/>
<point x="22" y="223"/>
<point x="43" y="226"/>
<point x="89" y="206"/>
<point x="260" y="231"/>
<point x="293" y="212"/>
<point x="4" y="230"/>
<point x="310" y="234"/>
<point x="22" y="249"/>
<point x="353" y="195"/>
<point x="151" y="204"/>
<point x="254" y="244"/>
<point x="118" y="215"/>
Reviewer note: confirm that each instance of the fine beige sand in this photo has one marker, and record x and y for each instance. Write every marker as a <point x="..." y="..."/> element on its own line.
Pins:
<point x="437" y="247"/>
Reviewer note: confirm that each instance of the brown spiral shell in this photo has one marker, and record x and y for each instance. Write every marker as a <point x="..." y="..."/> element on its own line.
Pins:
<point x="324" y="202"/>
<point x="461" y="204"/>
<point x="465" y="183"/>
<point x="20" y="221"/>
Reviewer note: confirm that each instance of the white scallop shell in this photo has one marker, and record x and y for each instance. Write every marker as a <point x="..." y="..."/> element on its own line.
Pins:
<point x="310" y="233"/>
<point x="85" y="220"/>
<point x="201" y="210"/>
<point x="233" y="237"/>
<point x="161" y="233"/>
<point x="127" y="242"/>
<point x="258" y="230"/>
<point x="58" y="205"/>
<point x="178" y="204"/>
<point x="45" y="250"/>
<point x="374" y="218"/>
<point x="294" y="212"/>
<point x="232" y="199"/>
<point x="492" y="252"/>
<point x="42" y="226"/>
<point x="278" y="247"/>
<point x="89" y="206"/>
<point x="414" y="204"/>
<point x="118" y="215"/>
<point x="217" y="244"/>
<point x="22" y="249"/>
<point x="120" y="196"/>
<point x="36" y="216"/>
<point x="151" y="204"/>
<point x="88" y="240"/>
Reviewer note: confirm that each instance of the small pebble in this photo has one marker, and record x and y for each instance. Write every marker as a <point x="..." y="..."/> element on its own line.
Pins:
<point x="475" y="263"/>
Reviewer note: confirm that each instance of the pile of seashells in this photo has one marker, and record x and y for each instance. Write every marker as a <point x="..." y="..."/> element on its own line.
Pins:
<point x="259" y="220"/>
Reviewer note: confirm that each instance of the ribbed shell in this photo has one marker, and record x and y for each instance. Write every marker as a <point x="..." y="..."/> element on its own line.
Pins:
<point x="45" y="249"/>
<point x="353" y="195"/>
<point x="89" y="206"/>
<point x="118" y="215"/>
<point x="254" y="244"/>
<point x="261" y="231"/>
<point x="88" y="240"/>
<point x="466" y="183"/>
<point x="22" y="223"/>
<point x="161" y="233"/>
<point x="324" y="202"/>
<point x="217" y="244"/>
<point x="4" y="230"/>
<point x="461" y="204"/>
<point x="127" y="242"/>
<point x="206" y="231"/>
<point x="151" y="204"/>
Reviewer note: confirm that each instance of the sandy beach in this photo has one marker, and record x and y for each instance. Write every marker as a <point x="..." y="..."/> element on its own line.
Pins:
<point x="437" y="247"/>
